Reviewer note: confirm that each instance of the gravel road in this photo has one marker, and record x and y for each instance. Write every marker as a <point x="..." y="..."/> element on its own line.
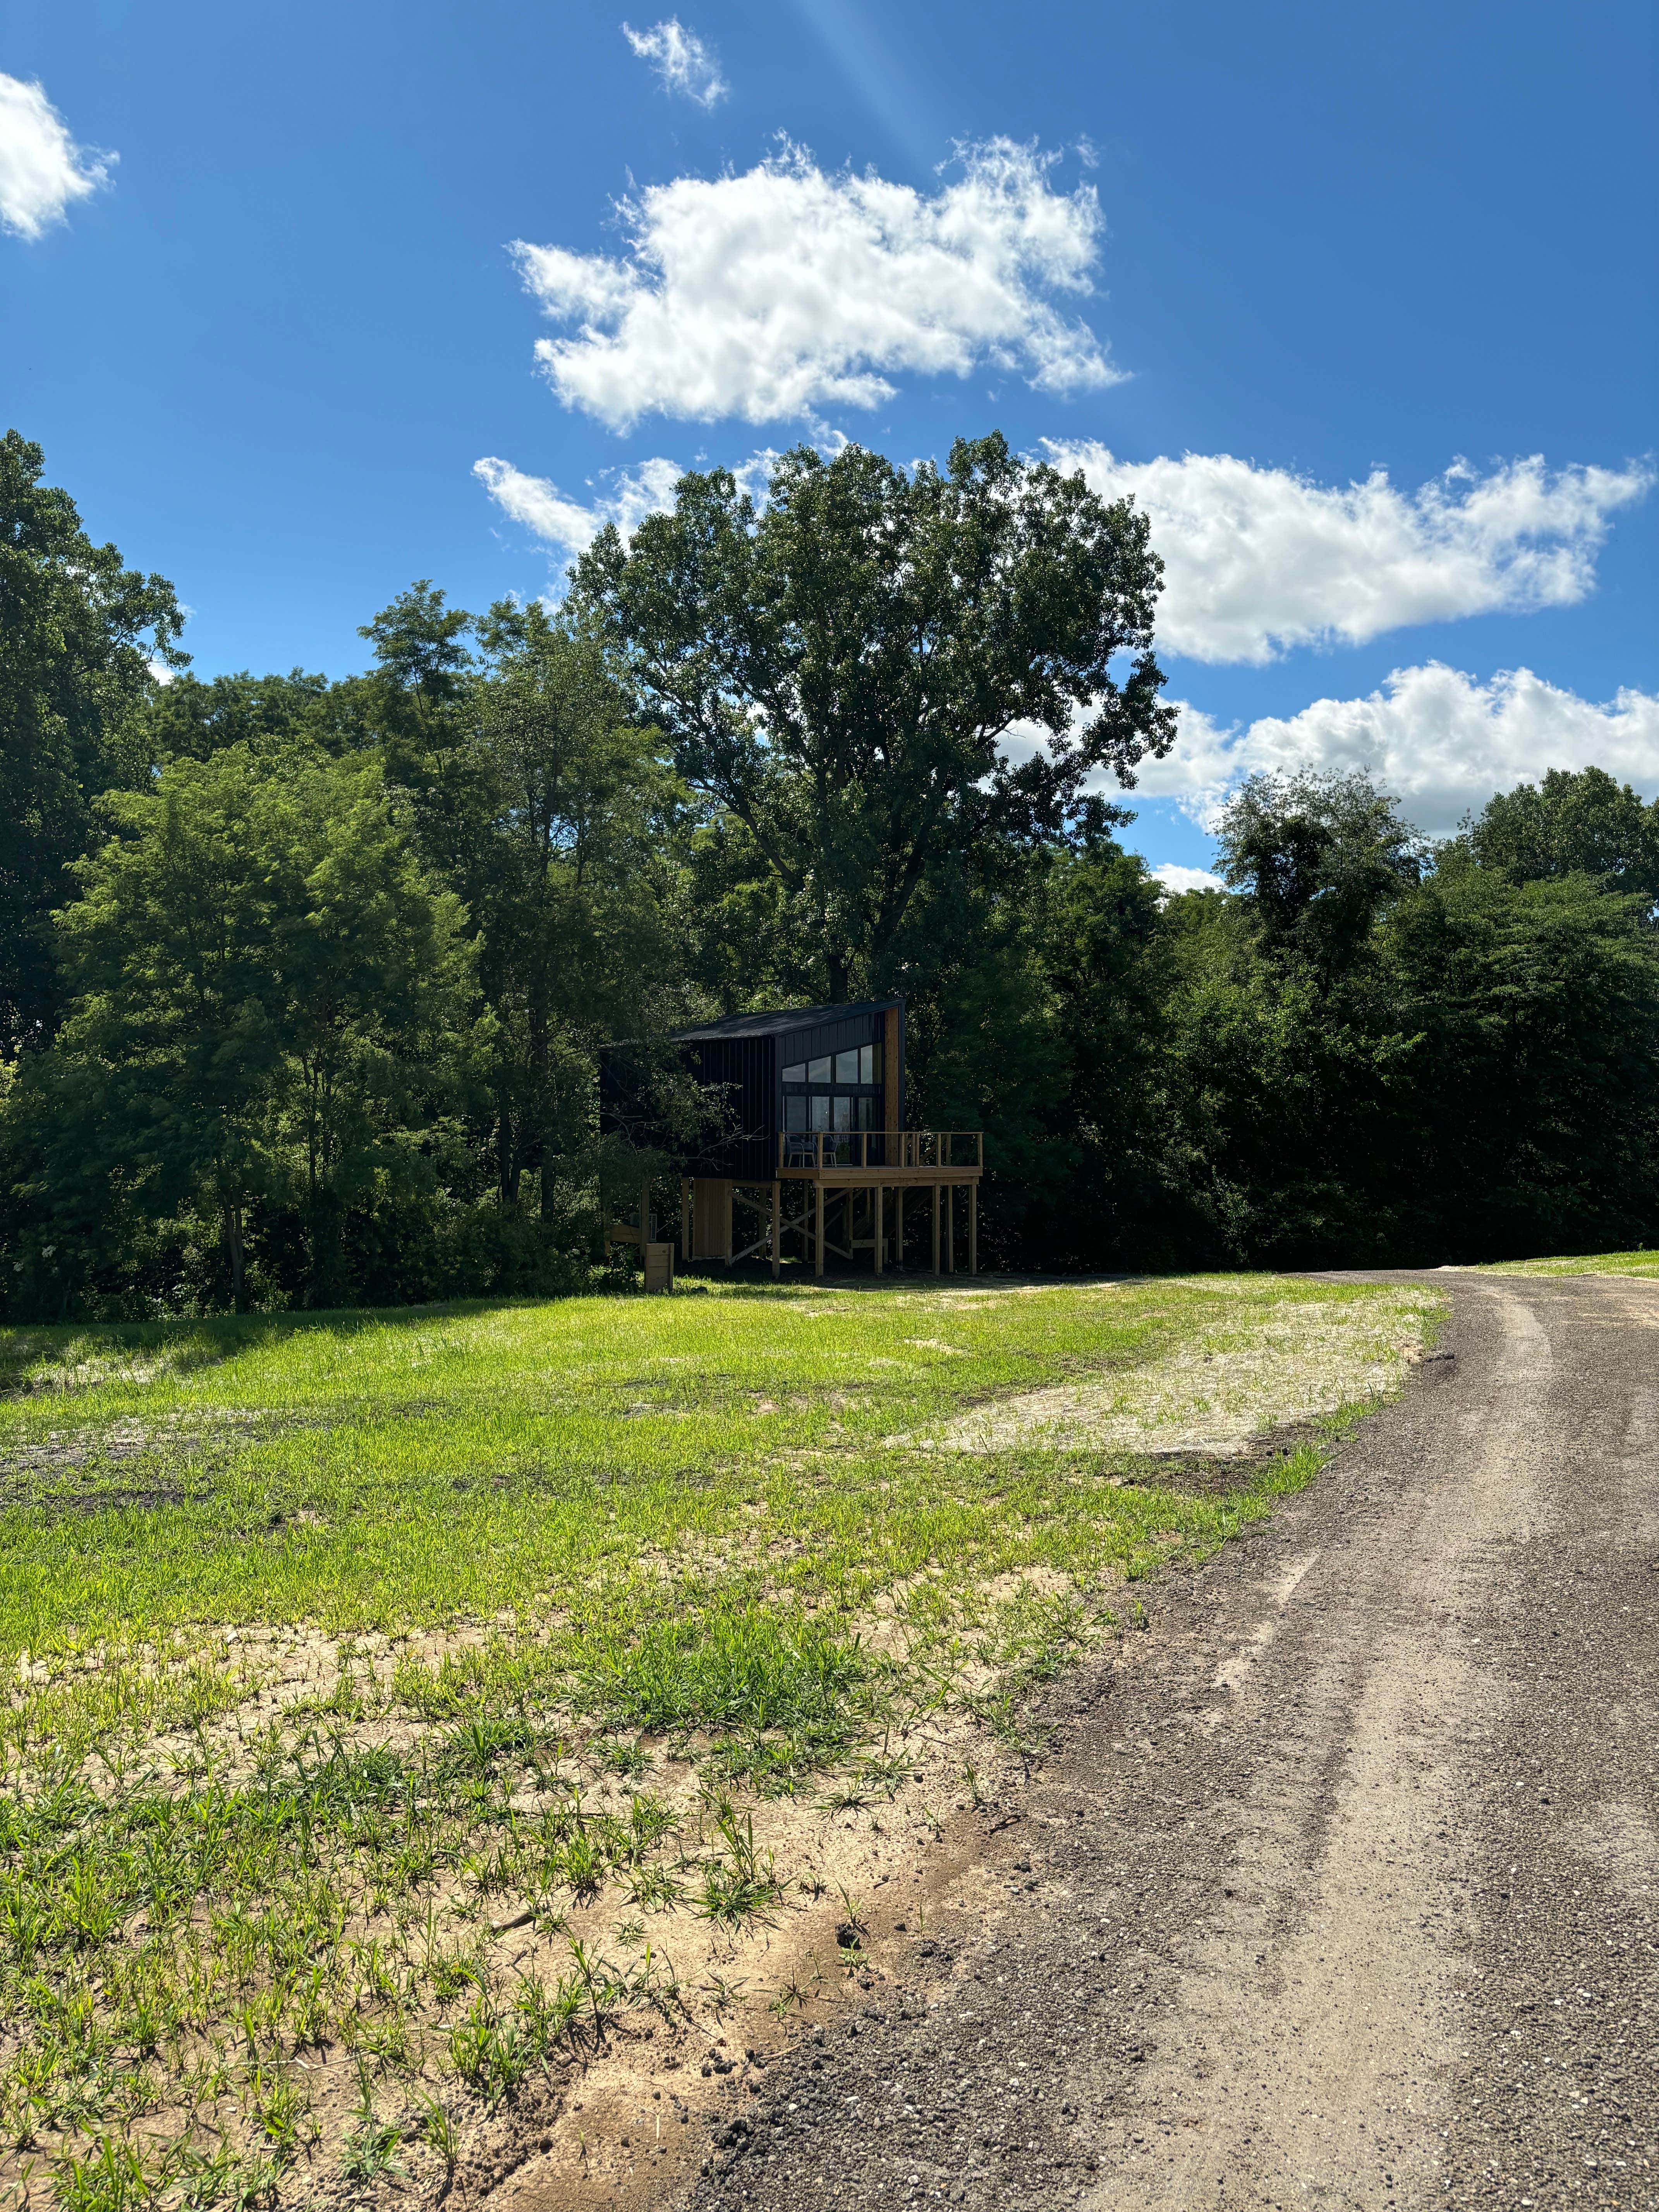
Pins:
<point x="1339" y="1887"/>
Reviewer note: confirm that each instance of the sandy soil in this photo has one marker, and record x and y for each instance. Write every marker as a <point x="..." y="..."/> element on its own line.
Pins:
<point x="1214" y="1390"/>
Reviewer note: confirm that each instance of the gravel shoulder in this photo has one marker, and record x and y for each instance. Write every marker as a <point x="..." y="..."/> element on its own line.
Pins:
<point x="1338" y="1883"/>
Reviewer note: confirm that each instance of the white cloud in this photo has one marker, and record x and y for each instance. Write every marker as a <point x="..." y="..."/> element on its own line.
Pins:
<point x="41" y="168"/>
<point x="567" y="525"/>
<point x="646" y="489"/>
<point x="773" y="293"/>
<point x="1176" y="879"/>
<point x="681" y="60"/>
<point x="1441" y="741"/>
<point x="1258" y="560"/>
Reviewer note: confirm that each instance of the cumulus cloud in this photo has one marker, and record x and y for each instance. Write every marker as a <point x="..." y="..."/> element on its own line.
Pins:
<point x="680" y="59"/>
<point x="1259" y="559"/>
<point x="41" y="168"/>
<point x="569" y="527"/>
<point x="1176" y="879"/>
<point x="787" y="289"/>
<point x="1438" y="739"/>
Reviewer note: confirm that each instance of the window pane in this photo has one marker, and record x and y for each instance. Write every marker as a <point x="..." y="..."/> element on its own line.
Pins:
<point x="820" y="1113"/>
<point x="797" y="1073"/>
<point x="866" y="1111"/>
<point x="843" y="1113"/>
<point x="866" y="1063"/>
<point x="847" y="1066"/>
<point x="794" y="1113"/>
<point x="817" y="1071"/>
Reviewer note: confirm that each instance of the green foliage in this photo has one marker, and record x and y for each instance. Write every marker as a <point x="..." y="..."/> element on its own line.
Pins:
<point x="303" y="984"/>
<point x="78" y="633"/>
<point x="1570" y="825"/>
<point x="836" y="671"/>
<point x="268" y="1023"/>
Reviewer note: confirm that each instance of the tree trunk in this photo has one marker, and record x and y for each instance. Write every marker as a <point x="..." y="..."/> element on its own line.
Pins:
<point x="235" y="1252"/>
<point x="506" y="1152"/>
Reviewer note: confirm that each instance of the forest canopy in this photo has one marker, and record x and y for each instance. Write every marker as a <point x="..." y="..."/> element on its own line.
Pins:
<point x="303" y="982"/>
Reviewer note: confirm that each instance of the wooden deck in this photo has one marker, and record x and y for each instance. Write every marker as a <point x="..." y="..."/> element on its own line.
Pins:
<point x="894" y="1157"/>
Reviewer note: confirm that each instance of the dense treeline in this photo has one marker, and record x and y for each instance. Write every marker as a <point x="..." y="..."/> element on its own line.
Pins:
<point x="303" y="982"/>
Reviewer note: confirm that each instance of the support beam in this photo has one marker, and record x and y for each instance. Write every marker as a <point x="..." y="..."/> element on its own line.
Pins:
<point x="777" y="1228"/>
<point x="712" y="1217"/>
<point x="950" y="1229"/>
<point x="972" y="1229"/>
<point x="818" y="1233"/>
<point x="936" y="1229"/>
<point x="876" y="1195"/>
<point x="898" y="1229"/>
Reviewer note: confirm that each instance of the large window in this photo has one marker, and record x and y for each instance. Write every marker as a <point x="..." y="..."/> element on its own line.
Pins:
<point x="837" y="1093"/>
<point x="860" y="1064"/>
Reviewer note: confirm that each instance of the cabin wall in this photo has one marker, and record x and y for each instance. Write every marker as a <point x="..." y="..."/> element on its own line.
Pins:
<point x="744" y="1071"/>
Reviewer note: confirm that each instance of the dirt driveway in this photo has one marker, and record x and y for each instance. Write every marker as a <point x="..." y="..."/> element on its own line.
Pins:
<point x="1340" y="1886"/>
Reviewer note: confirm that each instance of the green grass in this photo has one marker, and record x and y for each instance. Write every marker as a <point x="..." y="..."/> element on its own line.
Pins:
<point x="1593" y="1263"/>
<point x="532" y="1555"/>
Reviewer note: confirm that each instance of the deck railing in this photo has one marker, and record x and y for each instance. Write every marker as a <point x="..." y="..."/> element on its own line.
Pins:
<point x="913" y="1151"/>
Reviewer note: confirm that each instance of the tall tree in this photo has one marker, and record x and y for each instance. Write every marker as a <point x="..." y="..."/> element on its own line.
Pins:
<point x="1317" y="857"/>
<point x="838" y="671"/>
<point x="1583" y="824"/>
<point x="78" y="633"/>
<point x="269" y="1013"/>
<point x="577" y="914"/>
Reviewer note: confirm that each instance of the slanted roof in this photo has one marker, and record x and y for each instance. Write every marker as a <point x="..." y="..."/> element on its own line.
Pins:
<point x="782" y="1022"/>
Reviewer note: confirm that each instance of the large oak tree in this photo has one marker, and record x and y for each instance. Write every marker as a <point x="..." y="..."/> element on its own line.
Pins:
<point x="880" y="668"/>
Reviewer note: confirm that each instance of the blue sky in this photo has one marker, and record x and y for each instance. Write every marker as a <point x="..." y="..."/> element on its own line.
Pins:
<point x="267" y="349"/>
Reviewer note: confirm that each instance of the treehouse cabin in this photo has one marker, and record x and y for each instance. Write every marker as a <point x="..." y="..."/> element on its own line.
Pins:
<point x="806" y="1153"/>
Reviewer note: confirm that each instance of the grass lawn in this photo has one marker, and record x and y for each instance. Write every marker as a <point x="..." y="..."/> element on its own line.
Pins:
<point x="344" y="1649"/>
<point x="1592" y="1263"/>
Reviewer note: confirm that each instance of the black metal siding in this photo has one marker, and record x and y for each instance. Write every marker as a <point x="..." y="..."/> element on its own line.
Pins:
<point x="746" y="1074"/>
<point x="742" y="1073"/>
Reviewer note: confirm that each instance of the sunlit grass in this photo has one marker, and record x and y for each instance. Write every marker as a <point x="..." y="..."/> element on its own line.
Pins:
<point x="533" y="1556"/>
<point x="1641" y="1262"/>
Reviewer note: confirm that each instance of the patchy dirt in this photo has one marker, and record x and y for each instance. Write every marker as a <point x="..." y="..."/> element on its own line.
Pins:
<point x="1213" y="1392"/>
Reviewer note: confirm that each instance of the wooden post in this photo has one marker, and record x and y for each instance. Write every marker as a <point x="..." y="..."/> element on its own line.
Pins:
<point x="880" y="1209"/>
<point x="777" y="1228"/>
<point x="818" y="1232"/>
<point x="712" y="1216"/>
<point x="898" y="1229"/>
<point x="950" y="1229"/>
<point x="936" y="1229"/>
<point x="972" y="1229"/>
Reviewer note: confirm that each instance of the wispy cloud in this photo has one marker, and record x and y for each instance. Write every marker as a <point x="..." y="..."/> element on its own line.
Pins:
<point x="568" y="524"/>
<point x="1440" y="740"/>
<point x="773" y="294"/>
<point x="569" y="527"/>
<point x="42" y="170"/>
<point x="680" y="59"/>
<point x="1259" y="559"/>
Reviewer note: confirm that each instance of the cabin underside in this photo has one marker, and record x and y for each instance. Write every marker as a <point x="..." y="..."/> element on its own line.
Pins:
<point x="832" y="1212"/>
